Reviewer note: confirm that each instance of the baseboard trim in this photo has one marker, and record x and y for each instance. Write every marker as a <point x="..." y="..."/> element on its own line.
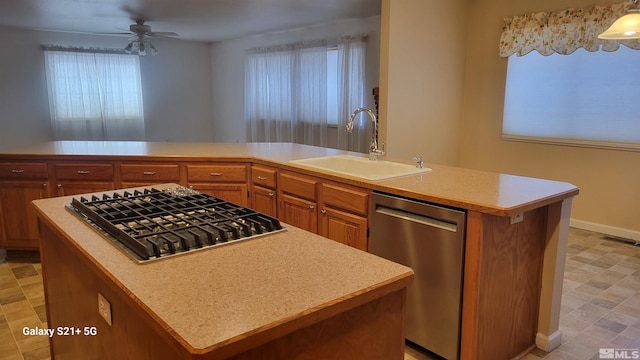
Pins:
<point x="549" y="342"/>
<point x="606" y="229"/>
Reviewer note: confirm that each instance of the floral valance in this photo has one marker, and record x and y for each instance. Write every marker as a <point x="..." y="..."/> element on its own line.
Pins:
<point x="563" y="32"/>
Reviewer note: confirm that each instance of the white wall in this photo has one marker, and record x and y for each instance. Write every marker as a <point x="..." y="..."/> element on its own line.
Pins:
<point x="227" y="61"/>
<point x="176" y="86"/>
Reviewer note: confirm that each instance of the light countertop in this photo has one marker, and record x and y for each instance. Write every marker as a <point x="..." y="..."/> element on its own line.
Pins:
<point x="487" y="192"/>
<point x="214" y="297"/>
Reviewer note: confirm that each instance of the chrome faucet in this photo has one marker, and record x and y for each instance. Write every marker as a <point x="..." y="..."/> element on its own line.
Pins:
<point x="373" y="147"/>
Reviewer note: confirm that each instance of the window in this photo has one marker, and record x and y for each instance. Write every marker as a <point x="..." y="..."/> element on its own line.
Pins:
<point x="94" y="96"/>
<point x="585" y="98"/>
<point x="293" y="93"/>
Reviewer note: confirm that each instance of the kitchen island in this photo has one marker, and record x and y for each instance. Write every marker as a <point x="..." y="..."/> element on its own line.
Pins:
<point x="285" y="295"/>
<point x="515" y="236"/>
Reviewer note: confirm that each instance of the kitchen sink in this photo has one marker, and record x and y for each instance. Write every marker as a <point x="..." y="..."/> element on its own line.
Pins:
<point x="360" y="167"/>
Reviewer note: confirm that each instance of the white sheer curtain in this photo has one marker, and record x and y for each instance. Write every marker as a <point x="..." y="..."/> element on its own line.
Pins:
<point x="286" y="94"/>
<point x="351" y="80"/>
<point x="94" y="96"/>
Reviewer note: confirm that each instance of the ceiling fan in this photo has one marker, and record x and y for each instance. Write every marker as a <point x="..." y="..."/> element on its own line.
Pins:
<point x="140" y="44"/>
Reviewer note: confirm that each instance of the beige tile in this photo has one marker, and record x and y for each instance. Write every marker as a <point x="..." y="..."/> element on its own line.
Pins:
<point x="23" y="271"/>
<point x="10" y="295"/>
<point x="41" y="353"/>
<point x="33" y="290"/>
<point x="35" y="279"/>
<point x="18" y="310"/>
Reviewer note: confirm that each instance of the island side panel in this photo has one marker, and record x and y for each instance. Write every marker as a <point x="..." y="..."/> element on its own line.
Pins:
<point x="71" y="285"/>
<point x="373" y="331"/>
<point x="502" y="283"/>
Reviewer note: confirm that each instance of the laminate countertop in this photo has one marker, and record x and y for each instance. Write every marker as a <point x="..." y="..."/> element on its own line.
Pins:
<point x="212" y="298"/>
<point x="486" y="192"/>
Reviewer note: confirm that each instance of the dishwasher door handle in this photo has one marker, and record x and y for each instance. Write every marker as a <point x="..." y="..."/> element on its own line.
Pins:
<point x="421" y="219"/>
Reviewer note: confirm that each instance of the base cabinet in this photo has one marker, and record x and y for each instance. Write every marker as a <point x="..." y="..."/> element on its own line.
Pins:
<point x="81" y="178"/>
<point x="21" y="183"/>
<point x="224" y="181"/>
<point x="19" y="227"/>
<point x="336" y="211"/>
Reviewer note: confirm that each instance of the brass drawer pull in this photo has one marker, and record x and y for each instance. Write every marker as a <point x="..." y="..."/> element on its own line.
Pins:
<point x="263" y="178"/>
<point x="149" y="173"/>
<point x="83" y="172"/>
<point x="16" y="171"/>
<point x="271" y="194"/>
<point x="215" y="174"/>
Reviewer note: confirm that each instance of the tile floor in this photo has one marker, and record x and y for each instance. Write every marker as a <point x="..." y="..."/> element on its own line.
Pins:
<point x="600" y="302"/>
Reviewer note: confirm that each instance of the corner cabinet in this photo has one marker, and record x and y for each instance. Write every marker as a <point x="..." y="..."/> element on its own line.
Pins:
<point x="21" y="183"/>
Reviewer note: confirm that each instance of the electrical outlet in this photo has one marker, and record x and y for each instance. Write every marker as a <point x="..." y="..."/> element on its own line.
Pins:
<point x="517" y="218"/>
<point x="104" y="308"/>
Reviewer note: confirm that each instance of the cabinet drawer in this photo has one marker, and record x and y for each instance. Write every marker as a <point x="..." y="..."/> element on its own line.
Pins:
<point x="298" y="185"/>
<point x="153" y="172"/>
<point x="217" y="173"/>
<point x="23" y="170"/>
<point x="263" y="176"/>
<point x="350" y="199"/>
<point x="80" y="171"/>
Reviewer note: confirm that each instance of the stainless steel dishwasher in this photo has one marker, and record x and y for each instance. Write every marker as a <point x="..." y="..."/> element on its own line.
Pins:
<point x="429" y="239"/>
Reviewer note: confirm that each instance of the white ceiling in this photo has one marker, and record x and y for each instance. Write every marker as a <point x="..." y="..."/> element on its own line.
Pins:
<point x="200" y="20"/>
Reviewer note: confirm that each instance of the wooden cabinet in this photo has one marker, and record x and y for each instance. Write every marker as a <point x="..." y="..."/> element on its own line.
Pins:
<point x="225" y="181"/>
<point x="344" y="214"/>
<point x="264" y="196"/>
<point x="297" y="200"/>
<point x="144" y="174"/>
<point x="21" y="183"/>
<point x="79" y="178"/>
<point x="333" y="210"/>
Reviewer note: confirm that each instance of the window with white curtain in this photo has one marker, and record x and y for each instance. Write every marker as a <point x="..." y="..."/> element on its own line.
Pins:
<point x="293" y="93"/>
<point x="565" y="85"/>
<point x="94" y="95"/>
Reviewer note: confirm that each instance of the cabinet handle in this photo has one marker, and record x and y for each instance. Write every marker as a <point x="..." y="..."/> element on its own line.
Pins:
<point x="83" y="172"/>
<point x="215" y="174"/>
<point x="44" y="185"/>
<point x="263" y="178"/>
<point x="17" y="171"/>
<point x="323" y="211"/>
<point x="312" y="207"/>
<point x="271" y="194"/>
<point x="59" y="186"/>
<point x="149" y="173"/>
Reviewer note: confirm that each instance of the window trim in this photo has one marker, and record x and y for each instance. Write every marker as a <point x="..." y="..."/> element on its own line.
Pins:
<point x="573" y="142"/>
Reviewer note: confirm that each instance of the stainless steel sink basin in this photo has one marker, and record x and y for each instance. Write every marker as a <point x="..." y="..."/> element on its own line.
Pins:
<point x="360" y="167"/>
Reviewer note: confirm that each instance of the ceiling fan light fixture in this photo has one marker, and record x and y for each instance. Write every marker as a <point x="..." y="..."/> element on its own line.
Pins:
<point x="626" y="27"/>
<point x="140" y="47"/>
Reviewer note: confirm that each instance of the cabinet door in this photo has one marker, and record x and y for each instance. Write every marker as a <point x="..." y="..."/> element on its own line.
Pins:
<point x="344" y="227"/>
<point x="235" y="193"/>
<point x="298" y="212"/>
<point x="17" y="216"/>
<point x="66" y="188"/>
<point x="264" y="200"/>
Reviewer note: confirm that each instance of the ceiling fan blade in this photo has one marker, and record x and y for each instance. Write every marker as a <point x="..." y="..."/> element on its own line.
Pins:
<point x="162" y="33"/>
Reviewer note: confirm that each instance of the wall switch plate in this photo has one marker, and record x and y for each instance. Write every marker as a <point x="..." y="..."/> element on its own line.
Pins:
<point x="517" y="218"/>
<point x="104" y="308"/>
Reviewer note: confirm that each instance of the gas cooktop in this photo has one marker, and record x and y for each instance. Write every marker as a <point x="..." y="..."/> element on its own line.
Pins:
<point x="153" y="224"/>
